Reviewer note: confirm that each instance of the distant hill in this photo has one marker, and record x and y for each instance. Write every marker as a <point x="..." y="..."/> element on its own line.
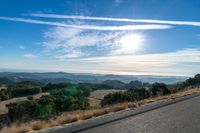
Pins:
<point x="115" y="84"/>
<point x="4" y="80"/>
<point x="56" y="77"/>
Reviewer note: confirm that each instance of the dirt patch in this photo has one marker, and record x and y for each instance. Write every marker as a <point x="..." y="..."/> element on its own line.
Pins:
<point x="96" y="96"/>
<point x="3" y="108"/>
<point x="99" y="94"/>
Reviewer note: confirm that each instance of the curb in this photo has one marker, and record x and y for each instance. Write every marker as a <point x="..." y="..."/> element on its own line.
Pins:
<point x="109" y="118"/>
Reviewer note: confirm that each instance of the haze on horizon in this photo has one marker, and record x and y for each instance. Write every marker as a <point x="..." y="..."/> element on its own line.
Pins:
<point x="135" y="37"/>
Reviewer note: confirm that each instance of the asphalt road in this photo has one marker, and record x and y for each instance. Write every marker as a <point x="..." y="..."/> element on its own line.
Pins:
<point x="181" y="115"/>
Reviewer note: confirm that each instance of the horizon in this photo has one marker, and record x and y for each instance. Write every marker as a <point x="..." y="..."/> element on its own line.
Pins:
<point x="123" y="37"/>
<point x="103" y="74"/>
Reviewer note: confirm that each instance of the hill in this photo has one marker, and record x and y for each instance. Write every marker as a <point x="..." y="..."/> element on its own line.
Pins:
<point x="57" y="77"/>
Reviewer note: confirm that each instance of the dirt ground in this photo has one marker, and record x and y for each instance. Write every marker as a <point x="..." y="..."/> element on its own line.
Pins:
<point x="96" y="96"/>
<point x="3" y="108"/>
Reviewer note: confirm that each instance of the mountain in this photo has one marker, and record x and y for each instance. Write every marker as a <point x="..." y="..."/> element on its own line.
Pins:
<point x="114" y="83"/>
<point x="4" y="80"/>
<point x="56" y="77"/>
<point x="133" y="84"/>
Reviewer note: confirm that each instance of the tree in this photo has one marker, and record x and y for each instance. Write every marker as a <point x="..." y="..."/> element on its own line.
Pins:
<point x="4" y="95"/>
<point x="193" y="81"/>
<point x="159" y="89"/>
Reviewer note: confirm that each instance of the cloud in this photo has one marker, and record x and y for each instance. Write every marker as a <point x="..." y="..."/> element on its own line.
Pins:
<point x="159" y="63"/>
<point x="182" y="62"/>
<point x="118" y="2"/>
<point x="198" y="36"/>
<point x="73" y="43"/>
<point x="168" y="22"/>
<point x="72" y="54"/>
<point x="185" y="55"/>
<point x="69" y="42"/>
<point x="21" y="47"/>
<point x="90" y="27"/>
<point x="30" y="56"/>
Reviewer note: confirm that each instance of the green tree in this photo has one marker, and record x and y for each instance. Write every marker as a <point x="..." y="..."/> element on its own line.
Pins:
<point x="159" y="89"/>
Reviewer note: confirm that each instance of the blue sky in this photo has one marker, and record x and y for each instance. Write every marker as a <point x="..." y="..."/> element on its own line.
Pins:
<point x="150" y="37"/>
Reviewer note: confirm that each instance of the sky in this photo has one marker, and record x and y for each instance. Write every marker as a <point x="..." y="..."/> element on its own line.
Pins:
<point x="133" y="37"/>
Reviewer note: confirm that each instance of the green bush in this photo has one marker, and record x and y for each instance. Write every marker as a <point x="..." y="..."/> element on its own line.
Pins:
<point x="50" y="87"/>
<point x="22" y="110"/>
<point x="77" y="90"/>
<point x="195" y="81"/>
<point x="44" y="107"/>
<point x="24" y="89"/>
<point x="17" y="92"/>
<point x="159" y="89"/>
<point x="127" y="96"/>
<point x="4" y="95"/>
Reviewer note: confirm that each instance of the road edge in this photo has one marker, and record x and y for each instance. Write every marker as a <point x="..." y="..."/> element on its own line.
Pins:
<point x="112" y="117"/>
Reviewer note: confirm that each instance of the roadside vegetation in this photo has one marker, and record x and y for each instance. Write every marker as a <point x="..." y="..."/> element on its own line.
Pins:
<point x="156" y="89"/>
<point x="69" y="102"/>
<point x="19" y="90"/>
<point x="60" y="99"/>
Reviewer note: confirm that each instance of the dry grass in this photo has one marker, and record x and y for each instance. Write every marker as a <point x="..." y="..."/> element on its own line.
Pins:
<point x="99" y="94"/>
<point x="15" y="128"/>
<point x="96" y="96"/>
<point x="90" y="113"/>
<point x="3" y="108"/>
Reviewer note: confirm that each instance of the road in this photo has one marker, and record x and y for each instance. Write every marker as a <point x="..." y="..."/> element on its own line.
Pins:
<point x="180" y="117"/>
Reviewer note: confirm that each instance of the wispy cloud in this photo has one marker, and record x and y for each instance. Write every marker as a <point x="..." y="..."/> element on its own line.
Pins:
<point x="118" y="2"/>
<point x="198" y="36"/>
<point x="158" y="63"/>
<point x="30" y="56"/>
<point x="75" y="43"/>
<point x="191" y="23"/>
<point x="21" y="47"/>
<point x="185" y="55"/>
<point x="70" y="42"/>
<point x="90" y="27"/>
<point x="71" y="54"/>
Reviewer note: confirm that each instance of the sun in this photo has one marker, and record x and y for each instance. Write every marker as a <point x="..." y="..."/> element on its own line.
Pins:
<point x="130" y="43"/>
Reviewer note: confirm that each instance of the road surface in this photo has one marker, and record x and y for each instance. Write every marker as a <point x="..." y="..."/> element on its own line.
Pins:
<point x="180" y="117"/>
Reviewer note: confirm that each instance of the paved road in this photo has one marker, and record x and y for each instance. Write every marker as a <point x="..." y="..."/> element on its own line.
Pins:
<point x="182" y="117"/>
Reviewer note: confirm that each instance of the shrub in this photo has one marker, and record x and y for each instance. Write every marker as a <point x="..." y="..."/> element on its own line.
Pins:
<point x="24" y="89"/>
<point x="130" y="95"/>
<point x="50" y="87"/>
<point x="159" y="89"/>
<point x="4" y="95"/>
<point x="44" y="107"/>
<point x="22" y="110"/>
<point x="193" y="81"/>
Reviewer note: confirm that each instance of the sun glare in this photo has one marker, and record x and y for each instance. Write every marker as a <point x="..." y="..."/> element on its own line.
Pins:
<point x="130" y="43"/>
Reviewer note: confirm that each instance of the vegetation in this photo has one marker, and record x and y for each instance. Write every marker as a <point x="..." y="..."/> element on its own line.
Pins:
<point x="61" y="99"/>
<point x="159" y="89"/>
<point x="44" y="107"/>
<point x="127" y="96"/>
<point x="50" y="87"/>
<point x="68" y="97"/>
<point x="156" y="89"/>
<point x="136" y="94"/>
<point x="20" y="89"/>
<point x="193" y="81"/>
<point x="4" y="95"/>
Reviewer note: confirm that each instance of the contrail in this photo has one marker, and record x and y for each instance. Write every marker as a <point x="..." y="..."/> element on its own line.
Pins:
<point x="190" y="23"/>
<point x="90" y="27"/>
